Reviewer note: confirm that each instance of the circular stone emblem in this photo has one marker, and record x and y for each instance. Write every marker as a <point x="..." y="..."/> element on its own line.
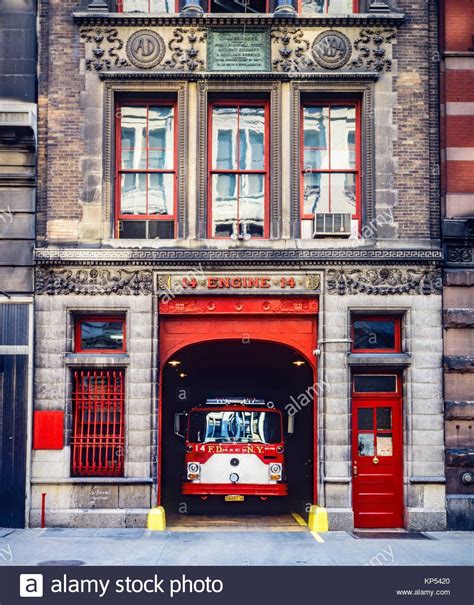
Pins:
<point x="331" y="49"/>
<point x="145" y="49"/>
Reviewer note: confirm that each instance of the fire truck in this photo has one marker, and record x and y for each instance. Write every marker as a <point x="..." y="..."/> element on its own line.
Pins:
<point x="234" y="448"/>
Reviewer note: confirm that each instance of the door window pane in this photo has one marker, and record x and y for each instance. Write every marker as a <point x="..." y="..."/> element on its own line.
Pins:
<point x="365" y="419"/>
<point x="366" y="444"/>
<point x="372" y="335"/>
<point x="384" y="444"/>
<point x="375" y="383"/>
<point x="384" y="418"/>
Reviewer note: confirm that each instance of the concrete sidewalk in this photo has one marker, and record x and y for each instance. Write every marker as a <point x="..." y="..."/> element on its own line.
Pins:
<point x="223" y="547"/>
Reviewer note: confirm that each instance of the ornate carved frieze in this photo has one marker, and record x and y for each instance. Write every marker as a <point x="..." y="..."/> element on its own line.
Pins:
<point x="186" y="48"/>
<point x="457" y="254"/>
<point x="371" y="48"/>
<point x="176" y="49"/>
<point x="95" y="281"/>
<point x="105" y="45"/>
<point x="384" y="281"/>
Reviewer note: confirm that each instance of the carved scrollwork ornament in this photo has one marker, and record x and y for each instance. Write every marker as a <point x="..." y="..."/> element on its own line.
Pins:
<point x="103" y="57"/>
<point x="370" y="46"/>
<point x="184" y="49"/>
<point x="94" y="281"/>
<point x="294" y="50"/>
<point x="385" y="281"/>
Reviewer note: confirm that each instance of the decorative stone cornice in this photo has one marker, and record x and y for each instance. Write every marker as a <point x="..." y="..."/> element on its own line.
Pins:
<point x="95" y="281"/>
<point x="148" y="19"/>
<point x="385" y="281"/>
<point x="232" y="257"/>
<point x="356" y="76"/>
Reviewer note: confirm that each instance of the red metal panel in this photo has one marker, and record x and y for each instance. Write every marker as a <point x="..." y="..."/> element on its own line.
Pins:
<point x="377" y="480"/>
<point x="98" y="430"/>
<point x="48" y="430"/>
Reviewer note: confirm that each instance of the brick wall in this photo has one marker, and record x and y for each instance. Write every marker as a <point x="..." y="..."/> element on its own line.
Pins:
<point x="59" y="117"/>
<point x="415" y="116"/>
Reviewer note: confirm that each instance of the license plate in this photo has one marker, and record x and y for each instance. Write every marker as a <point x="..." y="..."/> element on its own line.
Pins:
<point x="234" y="498"/>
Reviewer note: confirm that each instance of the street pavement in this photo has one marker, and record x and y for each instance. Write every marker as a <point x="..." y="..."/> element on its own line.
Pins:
<point x="220" y="546"/>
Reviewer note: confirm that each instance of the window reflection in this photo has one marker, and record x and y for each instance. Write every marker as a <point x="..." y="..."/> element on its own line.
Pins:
<point x="329" y="159"/>
<point x="328" y="6"/>
<point x="148" y="6"/>
<point x="238" y="166"/>
<point x="147" y="171"/>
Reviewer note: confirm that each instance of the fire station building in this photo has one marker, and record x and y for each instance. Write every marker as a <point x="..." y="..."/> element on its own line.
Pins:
<point x="238" y="199"/>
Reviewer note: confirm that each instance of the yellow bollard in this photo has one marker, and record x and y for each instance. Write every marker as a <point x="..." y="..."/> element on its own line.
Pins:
<point x="318" y="518"/>
<point x="156" y="519"/>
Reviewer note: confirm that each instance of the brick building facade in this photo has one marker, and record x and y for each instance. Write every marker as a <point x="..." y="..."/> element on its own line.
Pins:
<point x="274" y="162"/>
<point x="457" y="162"/>
<point x="17" y="235"/>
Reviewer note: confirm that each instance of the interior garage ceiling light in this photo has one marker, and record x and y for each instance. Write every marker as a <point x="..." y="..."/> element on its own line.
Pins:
<point x="174" y="363"/>
<point x="299" y="362"/>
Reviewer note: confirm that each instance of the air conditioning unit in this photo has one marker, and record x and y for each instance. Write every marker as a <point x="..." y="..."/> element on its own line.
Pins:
<point x="332" y="224"/>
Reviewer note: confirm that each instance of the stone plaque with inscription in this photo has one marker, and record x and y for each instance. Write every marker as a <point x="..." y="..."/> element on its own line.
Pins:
<point x="239" y="50"/>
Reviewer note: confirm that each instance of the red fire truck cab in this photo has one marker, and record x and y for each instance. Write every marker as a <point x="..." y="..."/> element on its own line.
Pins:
<point x="234" y="448"/>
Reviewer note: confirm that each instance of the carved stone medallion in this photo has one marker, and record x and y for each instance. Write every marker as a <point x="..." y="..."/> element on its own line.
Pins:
<point x="145" y="49"/>
<point x="331" y="49"/>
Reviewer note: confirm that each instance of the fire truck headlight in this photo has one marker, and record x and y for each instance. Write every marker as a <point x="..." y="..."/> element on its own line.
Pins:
<point x="276" y="471"/>
<point x="194" y="469"/>
<point x="234" y="477"/>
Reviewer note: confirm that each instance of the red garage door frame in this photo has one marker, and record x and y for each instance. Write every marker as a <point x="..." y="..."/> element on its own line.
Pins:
<point x="288" y="320"/>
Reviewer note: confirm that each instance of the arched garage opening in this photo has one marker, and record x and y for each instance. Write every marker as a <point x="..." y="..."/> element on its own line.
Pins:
<point x="275" y="373"/>
<point x="268" y="358"/>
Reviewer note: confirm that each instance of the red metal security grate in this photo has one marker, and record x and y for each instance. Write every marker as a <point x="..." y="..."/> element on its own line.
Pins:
<point x="98" y="431"/>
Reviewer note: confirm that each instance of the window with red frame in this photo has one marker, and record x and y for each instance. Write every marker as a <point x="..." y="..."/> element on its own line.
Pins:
<point x="330" y="159"/>
<point x="98" y="423"/>
<point x="341" y="7"/>
<point x="376" y="334"/>
<point x="147" y="6"/>
<point x="100" y="334"/>
<point x="238" y="169"/>
<point x="209" y="6"/>
<point x="146" y="170"/>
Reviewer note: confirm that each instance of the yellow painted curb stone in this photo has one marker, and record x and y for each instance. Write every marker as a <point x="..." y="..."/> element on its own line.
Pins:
<point x="157" y="519"/>
<point x="318" y="518"/>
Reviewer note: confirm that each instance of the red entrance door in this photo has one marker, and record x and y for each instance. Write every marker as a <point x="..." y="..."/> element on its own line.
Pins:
<point x="377" y="450"/>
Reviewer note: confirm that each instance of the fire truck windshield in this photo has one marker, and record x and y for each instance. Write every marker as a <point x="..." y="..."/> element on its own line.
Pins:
<point x="225" y="426"/>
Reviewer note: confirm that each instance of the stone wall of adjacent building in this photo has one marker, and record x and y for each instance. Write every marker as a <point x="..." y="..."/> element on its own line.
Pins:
<point x="423" y="438"/>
